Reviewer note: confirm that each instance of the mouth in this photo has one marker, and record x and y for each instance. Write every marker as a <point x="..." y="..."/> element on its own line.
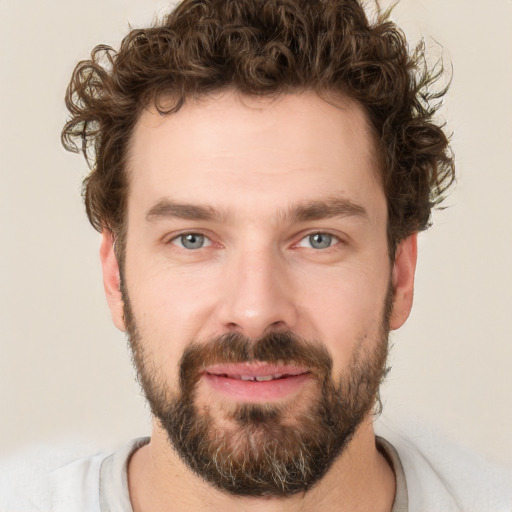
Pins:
<point x="256" y="383"/>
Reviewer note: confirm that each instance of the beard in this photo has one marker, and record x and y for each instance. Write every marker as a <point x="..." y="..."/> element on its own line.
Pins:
<point x="269" y="449"/>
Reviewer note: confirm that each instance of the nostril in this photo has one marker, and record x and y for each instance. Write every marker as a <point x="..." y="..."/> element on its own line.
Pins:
<point x="279" y="325"/>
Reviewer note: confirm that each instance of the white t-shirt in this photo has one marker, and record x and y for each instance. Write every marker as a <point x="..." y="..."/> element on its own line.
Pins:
<point x="432" y="476"/>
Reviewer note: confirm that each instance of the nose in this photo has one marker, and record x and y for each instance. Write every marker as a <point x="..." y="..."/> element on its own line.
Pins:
<point x="257" y="296"/>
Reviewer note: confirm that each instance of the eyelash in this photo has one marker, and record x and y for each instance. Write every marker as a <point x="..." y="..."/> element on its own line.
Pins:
<point x="181" y="236"/>
<point x="333" y="240"/>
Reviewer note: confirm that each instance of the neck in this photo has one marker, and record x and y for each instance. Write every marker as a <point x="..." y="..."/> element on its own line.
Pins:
<point x="359" y="480"/>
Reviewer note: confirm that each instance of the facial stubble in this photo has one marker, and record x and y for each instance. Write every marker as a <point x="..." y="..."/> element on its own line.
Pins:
<point x="263" y="449"/>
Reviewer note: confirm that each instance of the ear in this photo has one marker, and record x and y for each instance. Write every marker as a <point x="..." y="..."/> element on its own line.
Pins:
<point x="403" y="280"/>
<point x="111" y="279"/>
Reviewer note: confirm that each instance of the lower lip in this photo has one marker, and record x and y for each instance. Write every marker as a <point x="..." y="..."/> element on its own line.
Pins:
<point x="257" y="392"/>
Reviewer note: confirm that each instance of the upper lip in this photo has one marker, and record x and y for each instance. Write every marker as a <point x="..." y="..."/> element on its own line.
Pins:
<point x="253" y="370"/>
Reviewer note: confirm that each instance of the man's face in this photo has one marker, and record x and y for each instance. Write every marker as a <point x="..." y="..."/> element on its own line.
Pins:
<point x="258" y="291"/>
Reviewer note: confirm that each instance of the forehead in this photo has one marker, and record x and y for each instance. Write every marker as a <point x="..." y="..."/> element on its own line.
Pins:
<point x="229" y="150"/>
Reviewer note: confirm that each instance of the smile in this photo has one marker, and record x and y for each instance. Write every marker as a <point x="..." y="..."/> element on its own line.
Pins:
<point x="256" y="383"/>
<point x="257" y="378"/>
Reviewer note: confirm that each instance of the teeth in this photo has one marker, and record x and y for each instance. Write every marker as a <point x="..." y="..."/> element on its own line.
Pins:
<point x="261" y="378"/>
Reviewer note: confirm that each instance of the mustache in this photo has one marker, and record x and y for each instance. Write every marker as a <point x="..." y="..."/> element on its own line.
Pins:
<point x="234" y="348"/>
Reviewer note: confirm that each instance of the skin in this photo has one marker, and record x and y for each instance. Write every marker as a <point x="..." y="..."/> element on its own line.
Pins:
<point x="253" y="161"/>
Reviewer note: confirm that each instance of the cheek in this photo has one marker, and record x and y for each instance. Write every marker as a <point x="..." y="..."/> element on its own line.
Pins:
<point x="170" y="307"/>
<point x="344" y="310"/>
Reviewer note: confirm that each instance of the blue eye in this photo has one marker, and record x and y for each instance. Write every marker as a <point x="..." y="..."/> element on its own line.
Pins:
<point x="191" y="241"/>
<point x="318" y="241"/>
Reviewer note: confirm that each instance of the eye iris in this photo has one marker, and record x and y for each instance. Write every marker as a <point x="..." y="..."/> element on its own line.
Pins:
<point x="320" y="240"/>
<point x="192" y="241"/>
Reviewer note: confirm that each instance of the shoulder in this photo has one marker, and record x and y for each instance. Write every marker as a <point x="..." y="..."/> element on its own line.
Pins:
<point x="442" y="475"/>
<point x="42" y="479"/>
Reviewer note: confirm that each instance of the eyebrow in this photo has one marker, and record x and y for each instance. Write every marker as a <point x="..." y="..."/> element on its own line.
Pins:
<point x="309" y="211"/>
<point x="169" y="209"/>
<point x="326" y="209"/>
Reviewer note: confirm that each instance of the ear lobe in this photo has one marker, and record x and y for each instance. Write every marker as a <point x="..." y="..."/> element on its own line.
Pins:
<point x="403" y="280"/>
<point x="111" y="279"/>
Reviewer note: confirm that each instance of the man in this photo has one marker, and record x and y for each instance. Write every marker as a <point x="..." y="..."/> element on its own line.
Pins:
<point x="260" y="171"/>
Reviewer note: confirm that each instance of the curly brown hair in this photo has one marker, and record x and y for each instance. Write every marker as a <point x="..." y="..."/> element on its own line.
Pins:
<point x="264" y="47"/>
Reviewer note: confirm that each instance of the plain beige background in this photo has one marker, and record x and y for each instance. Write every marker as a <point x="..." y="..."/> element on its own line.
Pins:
<point x="65" y="374"/>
